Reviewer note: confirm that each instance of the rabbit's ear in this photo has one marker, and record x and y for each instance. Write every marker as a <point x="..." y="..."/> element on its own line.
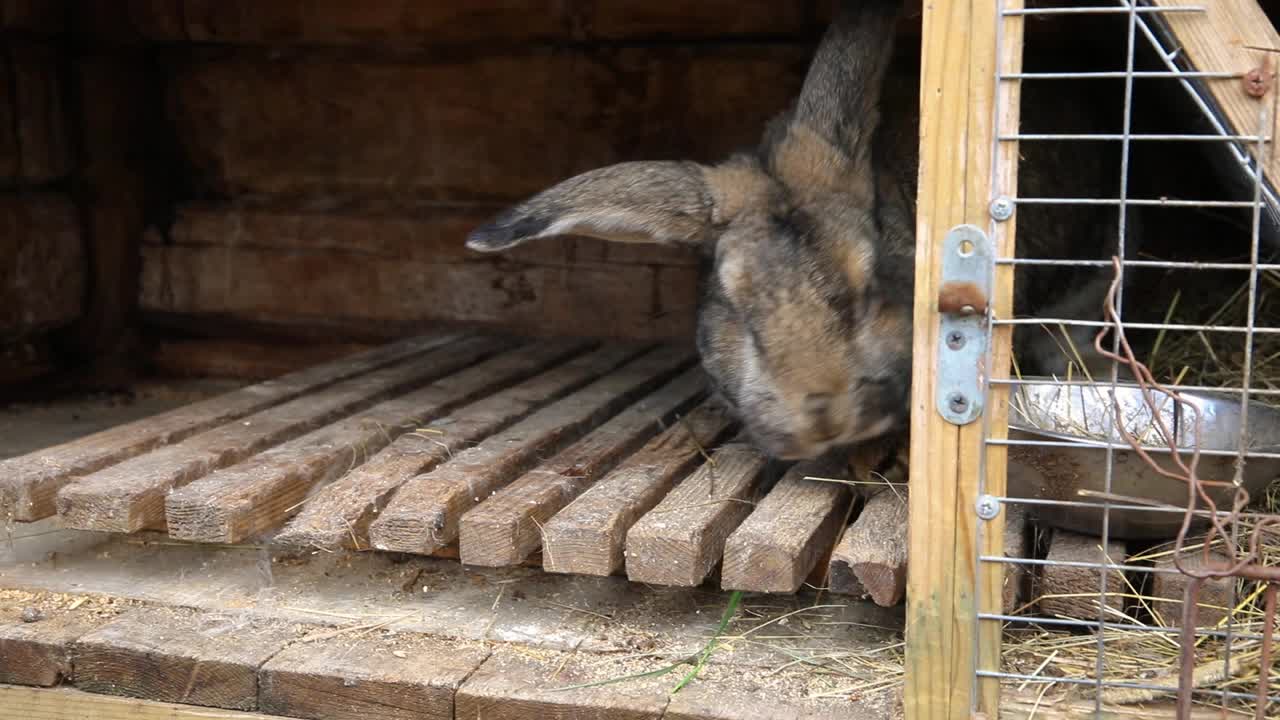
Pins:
<point x="827" y="143"/>
<point x="670" y="203"/>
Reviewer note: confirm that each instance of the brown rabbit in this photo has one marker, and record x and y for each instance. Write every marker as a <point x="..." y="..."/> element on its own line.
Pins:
<point x="804" y="324"/>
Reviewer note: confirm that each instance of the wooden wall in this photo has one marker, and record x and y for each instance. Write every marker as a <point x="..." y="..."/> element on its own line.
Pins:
<point x="332" y="156"/>
<point x="42" y="254"/>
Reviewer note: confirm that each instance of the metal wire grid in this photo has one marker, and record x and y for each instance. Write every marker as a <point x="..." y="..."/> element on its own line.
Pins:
<point x="1142" y="26"/>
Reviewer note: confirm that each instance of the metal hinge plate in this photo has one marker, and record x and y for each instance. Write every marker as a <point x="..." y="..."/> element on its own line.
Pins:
<point x="963" y="302"/>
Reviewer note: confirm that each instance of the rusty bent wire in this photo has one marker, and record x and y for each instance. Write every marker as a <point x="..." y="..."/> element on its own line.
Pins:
<point x="1240" y="565"/>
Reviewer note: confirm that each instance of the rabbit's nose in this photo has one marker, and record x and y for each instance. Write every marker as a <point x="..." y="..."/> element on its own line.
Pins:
<point x="818" y="407"/>
<point x="817" y="403"/>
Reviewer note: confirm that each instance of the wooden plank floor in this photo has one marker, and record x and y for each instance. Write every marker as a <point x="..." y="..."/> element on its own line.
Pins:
<point x="586" y="458"/>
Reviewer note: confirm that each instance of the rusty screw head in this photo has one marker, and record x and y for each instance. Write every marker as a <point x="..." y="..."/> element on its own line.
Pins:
<point x="1257" y="82"/>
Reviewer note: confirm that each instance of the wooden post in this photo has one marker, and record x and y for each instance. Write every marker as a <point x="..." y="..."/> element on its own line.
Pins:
<point x="947" y="587"/>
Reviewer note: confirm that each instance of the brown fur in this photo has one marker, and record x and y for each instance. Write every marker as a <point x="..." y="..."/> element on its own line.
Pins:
<point x="805" y="321"/>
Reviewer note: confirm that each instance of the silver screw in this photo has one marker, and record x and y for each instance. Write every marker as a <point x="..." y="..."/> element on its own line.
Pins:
<point x="988" y="507"/>
<point x="1001" y="209"/>
<point x="959" y="403"/>
<point x="955" y="339"/>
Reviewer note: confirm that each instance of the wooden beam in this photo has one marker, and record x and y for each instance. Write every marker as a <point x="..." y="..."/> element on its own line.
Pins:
<point x="513" y="685"/>
<point x="242" y="359"/>
<point x="779" y="544"/>
<point x="178" y="655"/>
<point x="1074" y="592"/>
<point x="1017" y="544"/>
<point x="1217" y="595"/>
<point x="507" y="527"/>
<point x="871" y="558"/>
<point x="588" y="537"/>
<point x="23" y="703"/>
<point x="338" y="515"/>
<point x="1233" y="36"/>
<point x="425" y="513"/>
<point x="131" y="496"/>
<point x="113" y="102"/>
<point x="258" y="495"/>
<point x="680" y="541"/>
<point x="946" y="588"/>
<point x="395" y="677"/>
<point x="38" y="653"/>
<point x="29" y="483"/>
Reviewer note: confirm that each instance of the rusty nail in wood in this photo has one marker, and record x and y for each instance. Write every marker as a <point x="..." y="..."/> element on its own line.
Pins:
<point x="1257" y="82"/>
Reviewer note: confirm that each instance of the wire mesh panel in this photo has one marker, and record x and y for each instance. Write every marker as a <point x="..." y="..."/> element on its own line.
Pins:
<point x="1132" y="146"/>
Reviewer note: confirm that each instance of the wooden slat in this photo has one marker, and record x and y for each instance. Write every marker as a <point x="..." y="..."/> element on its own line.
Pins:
<point x="38" y="653"/>
<point x="112" y="120"/>
<point x="261" y="493"/>
<point x="400" y="677"/>
<point x="506" y="528"/>
<point x="681" y="540"/>
<point x="992" y="577"/>
<point x="1232" y="36"/>
<point x="340" y="512"/>
<point x="1075" y="592"/>
<point x="871" y="558"/>
<point x="244" y="360"/>
<point x="514" y="685"/>
<point x="1217" y="594"/>
<point x="1017" y="544"/>
<point x="178" y="655"/>
<point x="423" y="515"/>
<point x="623" y="301"/>
<point x="19" y="703"/>
<point x="130" y="496"/>
<point x="957" y="136"/>
<point x="588" y="537"/>
<point x="779" y="544"/>
<point x="29" y="483"/>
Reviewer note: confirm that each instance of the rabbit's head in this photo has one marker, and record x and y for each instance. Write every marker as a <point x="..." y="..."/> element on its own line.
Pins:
<point x="800" y="326"/>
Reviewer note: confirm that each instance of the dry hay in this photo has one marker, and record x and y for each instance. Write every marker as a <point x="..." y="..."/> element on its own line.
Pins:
<point x="1070" y="662"/>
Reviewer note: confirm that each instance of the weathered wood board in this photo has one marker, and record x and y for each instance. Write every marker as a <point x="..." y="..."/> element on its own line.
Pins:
<point x="339" y="513"/>
<point x="180" y="656"/>
<point x="1076" y="592"/>
<point x="781" y="541"/>
<point x="131" y="496"/>
<point x="403" y="677"/>
<point x="871" y="558"/>
<point x="589" y="536"/>
<point x="507" y="527"/>
<point x="681" y="540"/>
<point x="29" y="483"/>
<point x="425" y="513"/>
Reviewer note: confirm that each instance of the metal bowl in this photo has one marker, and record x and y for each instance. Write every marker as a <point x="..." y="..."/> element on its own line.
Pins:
<point x="1043" y="411"/>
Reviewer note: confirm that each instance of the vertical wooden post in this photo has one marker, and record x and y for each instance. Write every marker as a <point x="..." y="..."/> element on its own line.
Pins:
<point x="111" y="100"/>
<point x="961" y="171"/>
